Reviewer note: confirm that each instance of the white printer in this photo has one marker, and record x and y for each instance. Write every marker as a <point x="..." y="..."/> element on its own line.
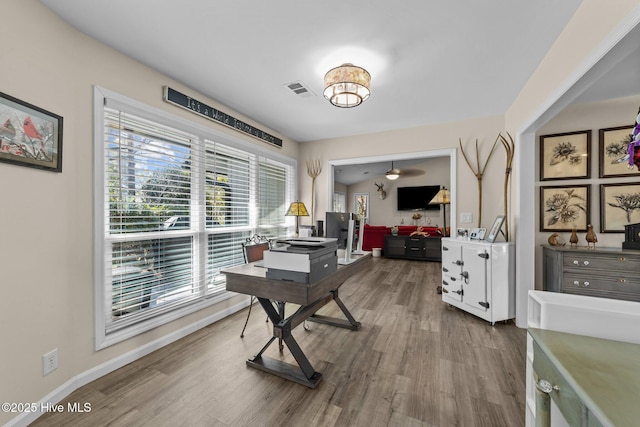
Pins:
<point x="303" y="260"/>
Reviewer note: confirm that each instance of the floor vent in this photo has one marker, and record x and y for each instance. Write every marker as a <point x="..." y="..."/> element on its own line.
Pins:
<point x="300" y="89"/>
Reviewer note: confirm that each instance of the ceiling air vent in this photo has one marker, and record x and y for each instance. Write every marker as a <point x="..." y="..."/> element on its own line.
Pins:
<point x="300" y="89"/>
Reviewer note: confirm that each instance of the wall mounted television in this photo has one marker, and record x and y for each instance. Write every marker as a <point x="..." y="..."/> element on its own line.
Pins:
<point x="417" y="198"/>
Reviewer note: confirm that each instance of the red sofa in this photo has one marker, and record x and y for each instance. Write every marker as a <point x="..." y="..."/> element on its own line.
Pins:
<point x="373" y="236"/>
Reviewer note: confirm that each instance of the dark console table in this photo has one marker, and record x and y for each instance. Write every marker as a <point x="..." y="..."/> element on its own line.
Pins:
<point x="413" y="247"/>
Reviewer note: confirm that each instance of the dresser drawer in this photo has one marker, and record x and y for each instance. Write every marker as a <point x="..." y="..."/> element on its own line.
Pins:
<point x="562" y="394"/>
<point x="603" y="262"/>
<point x="621" y="282"/>
<point x="415" y="242"/>
<point x="619" y="285"/>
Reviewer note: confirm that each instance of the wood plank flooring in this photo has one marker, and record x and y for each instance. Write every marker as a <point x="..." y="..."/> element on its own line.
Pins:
<point x="416" y="361"/>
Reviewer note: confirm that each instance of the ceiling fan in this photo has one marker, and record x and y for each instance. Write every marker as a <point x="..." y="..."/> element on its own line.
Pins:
<point x="392" y="173"/>
<point x="395" y="173"/>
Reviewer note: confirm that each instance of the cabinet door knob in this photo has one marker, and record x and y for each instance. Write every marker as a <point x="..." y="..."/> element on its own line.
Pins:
<point x="622" y="259"/>
<point x="546" y="387"/>
<point x="586" y="284"/>
<point x="576" y="282"/>
<point x="622" y="280"/>
<point x="585" y="263"/>
<point x="576" y="262"/>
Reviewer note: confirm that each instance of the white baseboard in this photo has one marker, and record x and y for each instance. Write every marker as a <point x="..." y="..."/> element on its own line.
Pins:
<point x="103" y="369"/>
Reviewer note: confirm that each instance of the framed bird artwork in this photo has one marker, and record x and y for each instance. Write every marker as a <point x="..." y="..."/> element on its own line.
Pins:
<point x="29" y="135"/>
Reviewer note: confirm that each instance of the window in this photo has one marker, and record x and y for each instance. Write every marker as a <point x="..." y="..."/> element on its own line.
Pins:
<point x="361" y="205"/>
<point x="177" y="202"/>
<point x="339" y="201"/>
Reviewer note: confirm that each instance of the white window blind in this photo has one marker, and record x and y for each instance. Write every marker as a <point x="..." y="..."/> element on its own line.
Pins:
<point x="149" y="186"/>
<point x="177" y="207"/>
<point x="274" y="195"/>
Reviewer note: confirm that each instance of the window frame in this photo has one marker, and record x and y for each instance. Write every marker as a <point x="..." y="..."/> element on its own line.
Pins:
<point x="200" y="235"/>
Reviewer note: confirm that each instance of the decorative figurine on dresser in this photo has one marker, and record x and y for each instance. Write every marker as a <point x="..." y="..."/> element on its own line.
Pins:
<point x="556" y="240"/>
<point x="591" y="237"/>
<point x="574" y="237"/>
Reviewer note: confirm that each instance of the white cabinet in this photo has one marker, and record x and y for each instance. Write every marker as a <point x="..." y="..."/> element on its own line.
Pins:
<point x="479" y="277"/>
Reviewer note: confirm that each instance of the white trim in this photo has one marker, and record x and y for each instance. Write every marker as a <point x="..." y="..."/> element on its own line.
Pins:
<point x="111" y="365"/>
<point x="154" y="322"/>
<point x="447" y="152"/>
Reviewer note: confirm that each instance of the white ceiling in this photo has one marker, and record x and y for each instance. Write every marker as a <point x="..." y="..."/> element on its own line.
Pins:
<point x="430" y="62"/>
<point x="351" y="174"/>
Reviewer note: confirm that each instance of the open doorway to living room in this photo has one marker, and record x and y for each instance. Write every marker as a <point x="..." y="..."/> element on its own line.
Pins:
<point x="416" y="169"/>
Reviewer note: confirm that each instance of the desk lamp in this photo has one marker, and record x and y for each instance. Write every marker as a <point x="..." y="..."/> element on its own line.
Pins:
<point x="297" y="209"/>
<point x="442" y="198"/>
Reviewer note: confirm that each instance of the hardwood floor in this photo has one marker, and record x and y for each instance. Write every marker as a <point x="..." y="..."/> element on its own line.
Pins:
<point x="415" y="362"/>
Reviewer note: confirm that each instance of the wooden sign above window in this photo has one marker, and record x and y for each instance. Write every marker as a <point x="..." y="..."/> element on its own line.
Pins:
<point x="181" y="100"/>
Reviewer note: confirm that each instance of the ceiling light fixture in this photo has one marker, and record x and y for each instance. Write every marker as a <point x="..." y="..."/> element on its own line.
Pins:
<point x="347" y="86"/>
<point x="392" y="173"/>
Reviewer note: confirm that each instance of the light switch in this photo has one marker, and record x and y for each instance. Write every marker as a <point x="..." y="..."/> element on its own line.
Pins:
<point x="466" y="217"/>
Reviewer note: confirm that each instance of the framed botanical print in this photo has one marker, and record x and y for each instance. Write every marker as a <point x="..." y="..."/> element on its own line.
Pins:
<point x="619" y="206"/>
<point x="614" y="155"/>
<point x="565" y="155"/>
<point x="564" y="208"/>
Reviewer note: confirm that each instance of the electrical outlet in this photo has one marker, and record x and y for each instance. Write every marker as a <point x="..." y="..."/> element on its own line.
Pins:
<point x="466" y="217"/>
<point x="50" y="361"/>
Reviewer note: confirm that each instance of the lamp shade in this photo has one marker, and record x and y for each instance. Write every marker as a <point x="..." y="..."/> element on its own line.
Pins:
<point x="297" y="209"/>
<point x="347" y="85"/>
<point x="441" y="198"/>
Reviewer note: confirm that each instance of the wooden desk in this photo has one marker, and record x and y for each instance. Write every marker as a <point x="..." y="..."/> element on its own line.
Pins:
<point x="251" y="280"/>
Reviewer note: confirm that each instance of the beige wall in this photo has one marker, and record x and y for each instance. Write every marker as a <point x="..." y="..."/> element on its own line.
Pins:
<point x="582" y="38"/>
<point x="420" y="139"/>
<point x="46" y="219"/>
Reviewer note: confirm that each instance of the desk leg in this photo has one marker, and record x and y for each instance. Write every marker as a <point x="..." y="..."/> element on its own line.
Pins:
<point x="303" y="373"/>
<point x="350" y="323"/>
<point x="281" y="314"/>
